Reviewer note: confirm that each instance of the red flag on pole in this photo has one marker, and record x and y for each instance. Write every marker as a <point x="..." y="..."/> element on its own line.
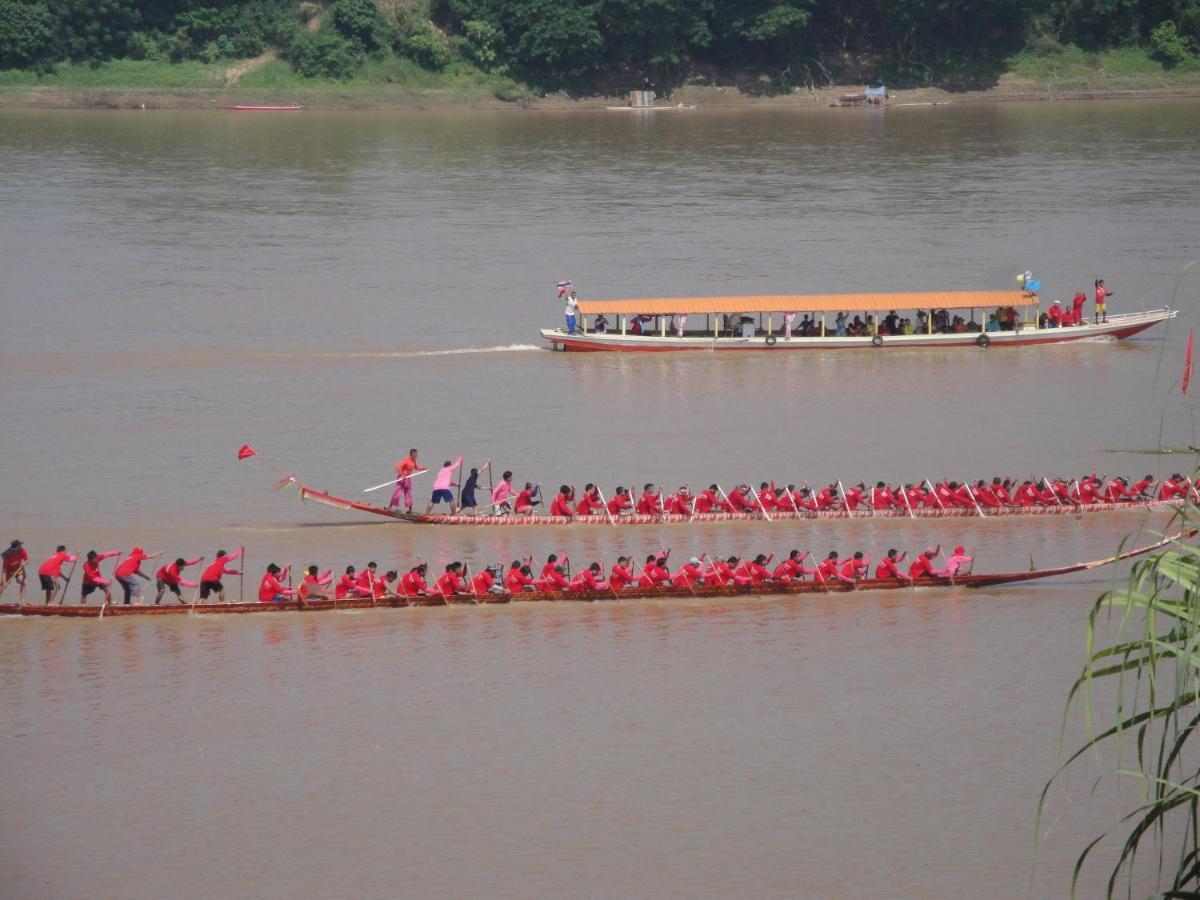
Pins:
<point x="1187" y="367"/>
<point x="245" y="452"/>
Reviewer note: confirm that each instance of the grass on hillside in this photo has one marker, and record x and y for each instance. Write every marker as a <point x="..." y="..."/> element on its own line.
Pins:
<point x="1059" y="66"/>
<point x="391" y="74"/>
<point x="120" y="73"/>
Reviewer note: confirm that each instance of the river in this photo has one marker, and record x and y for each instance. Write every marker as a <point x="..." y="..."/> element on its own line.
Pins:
<point x="333" y="288"/>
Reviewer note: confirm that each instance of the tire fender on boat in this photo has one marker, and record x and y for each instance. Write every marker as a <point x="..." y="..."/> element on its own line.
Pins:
<point x="983" y="341"/>
<point x="771" y="340"/>
<point x="877" y="341"/>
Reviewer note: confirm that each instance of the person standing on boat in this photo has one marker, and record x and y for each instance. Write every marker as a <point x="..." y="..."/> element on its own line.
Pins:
<point x="405" y="469"/>
<point x="170" y="578"/>
<point x="441" y="486"/>
<point x="51" y="570"/>
<point x="467" y="497"/>
<point x="1102" y="295"/>
<point x="571" y="311"/>
<point x="210" y="581"/>
<point x="93" y="579"/>
<point x="129" y="569"/>
<point x="14" y="560"/>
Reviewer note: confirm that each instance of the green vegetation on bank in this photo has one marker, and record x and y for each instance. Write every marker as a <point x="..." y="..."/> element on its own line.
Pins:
<point x="497" y="47"/>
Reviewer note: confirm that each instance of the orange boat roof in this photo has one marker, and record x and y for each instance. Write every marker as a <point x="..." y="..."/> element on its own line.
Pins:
<point x="801" y="303"/>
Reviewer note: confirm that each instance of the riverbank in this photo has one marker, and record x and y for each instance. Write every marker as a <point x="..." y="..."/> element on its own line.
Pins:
<point x="396" y="84"/>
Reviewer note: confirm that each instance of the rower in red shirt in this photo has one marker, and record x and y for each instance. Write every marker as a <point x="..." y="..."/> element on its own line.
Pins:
<point x="856" y="567"/>
<point x="754" y="571"/>
<point x="452" y="584"/>
<point x="654" y="572"/>
<point x="830" y="567"/>
<point x="93" y="580"/>
<point x="889" y="567"/>
<point x="271" y="589"/>
<point x="826" y="498"/>
<point x="14" y="560"/>
<point x="792" y="568"/>
<point x="619" y="502"/>
<point x="691" y="572"/>
<point x="1143" y="489"/>
<point x="739" y="502"/>
<point x="524" y="502"/>
<point x="853" y="497"/>
<point x="589" y="504"/>
<point x="1115" y="490"/>
<point x="345" y="584"/>
<point x="720" y="571"/>
<point x="621" y="575"/>
<point x="561" y="504"/>
<point x="170" y="578"/>
<point x="519" y="578"/>
<point x="364" y="584"/>
<point x="210" y="580"/>
<point x="51" y="570"/>
<point x="552" y="577"/>
<point x="383" y="587"/>
<point x="590" y="579"/>
<point x="766" y="496"/>
<point x="881" y="497"/>
<point x="485" y="582"/>
<point x="679" y="503"/>
<point x="1087" y="491"/>
<point x="1173" y="487"/>
<point x="650" y="503"/>
<point x="922" y="566"/>
<point x="131" y="567"/>
<point x="313" y="585"/>
<point x="413" y="583"/>
<point x="1000" y="489"/>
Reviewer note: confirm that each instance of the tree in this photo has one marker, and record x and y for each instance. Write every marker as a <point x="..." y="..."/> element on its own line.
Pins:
<point x="95" y="30"/>
<point x="27" y="34"/>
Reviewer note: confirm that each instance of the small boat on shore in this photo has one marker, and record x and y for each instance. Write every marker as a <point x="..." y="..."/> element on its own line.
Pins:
<point x="698" y="592"/>
<point x="774" y="323"/>
<point x="327" y="499"/>
<point x="244" y="107"/>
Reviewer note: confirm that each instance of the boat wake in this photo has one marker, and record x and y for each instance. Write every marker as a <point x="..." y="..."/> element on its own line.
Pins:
<point x="412" y="354"/>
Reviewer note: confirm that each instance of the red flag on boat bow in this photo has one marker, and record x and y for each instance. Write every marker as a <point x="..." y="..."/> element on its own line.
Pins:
<point x="1187" y="367"/>
<point x="245" y="452"/>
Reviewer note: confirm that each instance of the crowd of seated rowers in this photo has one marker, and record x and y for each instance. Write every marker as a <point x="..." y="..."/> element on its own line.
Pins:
<point x="456" y="583"/>
<point x="947" y="494"/>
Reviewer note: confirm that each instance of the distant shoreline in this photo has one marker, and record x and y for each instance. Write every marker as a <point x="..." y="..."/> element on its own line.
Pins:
<point x="337" y="97"/>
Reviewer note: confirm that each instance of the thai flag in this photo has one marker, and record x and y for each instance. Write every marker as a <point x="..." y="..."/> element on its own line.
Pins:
<point x="564" y="286"/>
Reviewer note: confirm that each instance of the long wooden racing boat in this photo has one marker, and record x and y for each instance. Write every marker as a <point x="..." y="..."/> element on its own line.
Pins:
<point x="759" y="322"/>
<point x="1066" y="509"/>
<point x="766" y="589"/>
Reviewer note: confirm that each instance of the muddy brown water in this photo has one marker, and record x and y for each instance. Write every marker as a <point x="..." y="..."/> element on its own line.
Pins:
<point x="334" y="288"/>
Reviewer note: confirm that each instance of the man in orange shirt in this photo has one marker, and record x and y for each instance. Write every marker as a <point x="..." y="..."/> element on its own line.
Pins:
<point x="405" y="469"/>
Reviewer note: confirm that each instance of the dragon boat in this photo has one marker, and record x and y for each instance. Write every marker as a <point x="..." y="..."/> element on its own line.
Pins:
<point x="765" y="589"/>
<point x="1065" y="509"/>
<point x="760" y="322"/>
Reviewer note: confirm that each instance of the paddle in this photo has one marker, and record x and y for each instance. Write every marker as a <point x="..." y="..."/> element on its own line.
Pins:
<point x="971" y="494"/>
<point x="845" y="501"/>
<point x="10" y="579"/>
<point x="67" y="583"/>
<point x="758" y="500"/>
<point x="413" y="474"/>
<point x="929" y="484"/>
<point x="199" y="581"/>
<point x="607" y="511"/>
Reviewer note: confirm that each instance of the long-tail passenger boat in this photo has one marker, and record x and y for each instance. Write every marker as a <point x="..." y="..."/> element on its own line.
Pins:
<point x="1065" y="509"/>
<point x="765" y="589"/>
<point x="762" y="322"/>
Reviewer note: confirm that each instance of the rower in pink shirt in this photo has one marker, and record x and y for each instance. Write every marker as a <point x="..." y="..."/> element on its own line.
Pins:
<point x="502" y="494"/>
<point x="441" y="486"/>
